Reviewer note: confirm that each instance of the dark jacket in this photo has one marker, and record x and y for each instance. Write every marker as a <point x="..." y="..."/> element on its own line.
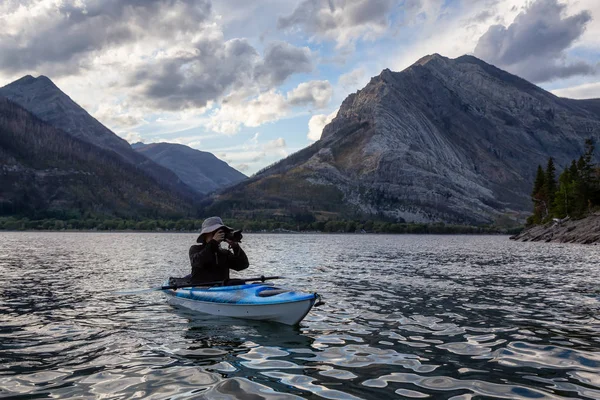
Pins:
<point x="211" y="263"/>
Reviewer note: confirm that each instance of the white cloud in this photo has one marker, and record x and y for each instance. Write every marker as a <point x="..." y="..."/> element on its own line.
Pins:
<point x="278" y="143"/>
<point x="230" y="117"/>
<point x="132" y="137"/>
<point x="585" y="91"/>
<point x="353" y="80"/>
<point x="317" y="123"/>
<point x="253" y="151"/>
<point x="316" y="93"/>
<point x="270" y="106"/>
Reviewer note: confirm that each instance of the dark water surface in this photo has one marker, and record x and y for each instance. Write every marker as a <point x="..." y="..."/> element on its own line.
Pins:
<point x="406" y="317"/>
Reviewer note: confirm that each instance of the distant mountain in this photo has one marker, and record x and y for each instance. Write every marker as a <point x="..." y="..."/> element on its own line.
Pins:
<point x="45" y="172"/>
<point x="200" y="170"/>
<point x="453" y="140"/>
<point x="44" y="99"/>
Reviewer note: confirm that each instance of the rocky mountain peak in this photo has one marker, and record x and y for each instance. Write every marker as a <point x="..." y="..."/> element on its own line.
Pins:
<point x="48" y="102"/>
<point x="454" y="140"/>
<point x="431" y="58"/>
<point x="30" y="84"/>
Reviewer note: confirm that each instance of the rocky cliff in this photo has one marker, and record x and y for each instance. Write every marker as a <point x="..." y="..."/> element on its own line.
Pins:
<point x="200" y="170"/>
<point x="454" y="140"/>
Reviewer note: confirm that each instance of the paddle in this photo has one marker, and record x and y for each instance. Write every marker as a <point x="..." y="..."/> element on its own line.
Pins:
<point x="261" y="278"/>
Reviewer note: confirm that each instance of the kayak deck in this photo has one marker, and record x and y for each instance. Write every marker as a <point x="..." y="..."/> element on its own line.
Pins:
<point x="256" y="301"/>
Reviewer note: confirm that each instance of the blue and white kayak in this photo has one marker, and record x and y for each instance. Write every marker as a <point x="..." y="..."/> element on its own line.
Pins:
<point x="256" y="301"/>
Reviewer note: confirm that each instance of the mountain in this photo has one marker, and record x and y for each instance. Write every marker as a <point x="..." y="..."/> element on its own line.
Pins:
<point x="46" y="172"/>
<point x="200" y="170"/>
<point x="44" y="99"/>
<point x="452" y="140"/>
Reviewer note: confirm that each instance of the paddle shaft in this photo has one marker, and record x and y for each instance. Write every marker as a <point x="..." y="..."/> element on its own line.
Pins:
<point x="261" y="278"/>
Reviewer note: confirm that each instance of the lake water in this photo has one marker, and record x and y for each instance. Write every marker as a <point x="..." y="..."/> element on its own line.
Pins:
<point x="405" y="317"/>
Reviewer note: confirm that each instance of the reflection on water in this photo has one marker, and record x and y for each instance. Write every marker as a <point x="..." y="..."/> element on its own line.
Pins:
<point x="405" y="317"/>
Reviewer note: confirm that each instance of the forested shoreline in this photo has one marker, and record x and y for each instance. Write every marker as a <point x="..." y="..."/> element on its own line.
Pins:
<point x="194" y="225"/>
<point x="567" y="209"/>
<point x="575" y="194"/>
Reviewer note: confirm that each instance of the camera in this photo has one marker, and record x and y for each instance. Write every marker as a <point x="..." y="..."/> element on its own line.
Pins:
<point x="234" y="236"/>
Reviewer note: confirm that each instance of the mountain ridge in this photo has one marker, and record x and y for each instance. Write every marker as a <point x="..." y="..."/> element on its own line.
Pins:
<point x="452" y="140"/>
<point x="200" y="170"/>
<point x="46" y="172"/>
<point x="47" y="101"/>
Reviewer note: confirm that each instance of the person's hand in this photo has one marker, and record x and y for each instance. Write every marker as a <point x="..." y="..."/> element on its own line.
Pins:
<point x="232" y="244"/>
<point x="219" y="236"/>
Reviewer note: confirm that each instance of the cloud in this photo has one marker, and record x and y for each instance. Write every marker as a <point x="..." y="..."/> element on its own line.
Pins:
<point x="241" y="167"/>
<point x="65" y="34"/>
<point x="193" y="77"/>
<point x="254" y="111"/>
<point x="353" y="79"/>
<point x="585" y="91"/>
<point x="132" y="137"/>
<point x="317" y="123"/>
<point x="266" y="107"/>
<point x="315" y="93"/>
<point x="278" y="143"/>
<point x="167" y="55"/>
<point x="214" y="68"/>
<point x="342" y="21"/>
<point x="534" y="45"/>
<point x="281" y="60"/>
<point x="252" y="151"/>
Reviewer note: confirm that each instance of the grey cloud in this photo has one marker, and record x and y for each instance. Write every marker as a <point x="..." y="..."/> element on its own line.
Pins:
<point x="282" y="60"/>
<point x="214" y="69"/>
<point x="194" y="79"/>
<point x="330" y="19"/>
<point x="72" y="30"/>
<point x="534" y="45"/>
<point x="546" y="71"/>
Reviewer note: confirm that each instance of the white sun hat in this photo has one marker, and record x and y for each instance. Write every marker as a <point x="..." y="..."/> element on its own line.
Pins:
<point x="210" y="225"/>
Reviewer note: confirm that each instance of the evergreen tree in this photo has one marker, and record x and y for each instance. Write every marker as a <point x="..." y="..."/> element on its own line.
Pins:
<point x="550" y="184"/>
<point x="538" y="197"/>
<point x="576" y="193"/>
<point x="564" y="198"/>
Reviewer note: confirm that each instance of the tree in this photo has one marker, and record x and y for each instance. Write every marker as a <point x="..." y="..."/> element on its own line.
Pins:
<point x="564" y="199"/>
<point x="550" y="185"/>
<point x="540" y="209"/>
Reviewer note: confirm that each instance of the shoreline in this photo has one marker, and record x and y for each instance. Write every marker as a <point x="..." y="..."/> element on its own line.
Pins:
<point x="258" y="233"/>
<point x="581" y="231"/>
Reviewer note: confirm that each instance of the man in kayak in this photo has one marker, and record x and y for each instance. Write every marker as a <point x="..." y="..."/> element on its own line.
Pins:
<point x="209" y="261"/>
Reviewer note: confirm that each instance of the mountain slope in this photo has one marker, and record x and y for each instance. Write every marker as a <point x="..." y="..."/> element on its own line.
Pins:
<point x="44" y="99"/>
<point x="45" y="172"/>
<point x="200" y="170"/>
<point x="444" y="140"/>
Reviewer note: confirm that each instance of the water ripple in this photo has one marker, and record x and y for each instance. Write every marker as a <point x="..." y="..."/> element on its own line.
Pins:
<point x="454" y="317"/>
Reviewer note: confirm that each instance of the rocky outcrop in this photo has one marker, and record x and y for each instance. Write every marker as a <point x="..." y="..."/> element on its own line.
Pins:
<point x="452" y="140"/>
<point x="200" y="170"/>
<point x="585" y="231"/>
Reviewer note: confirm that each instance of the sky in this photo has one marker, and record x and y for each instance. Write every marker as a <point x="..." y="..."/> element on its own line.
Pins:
<point x="255" y="81"/>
